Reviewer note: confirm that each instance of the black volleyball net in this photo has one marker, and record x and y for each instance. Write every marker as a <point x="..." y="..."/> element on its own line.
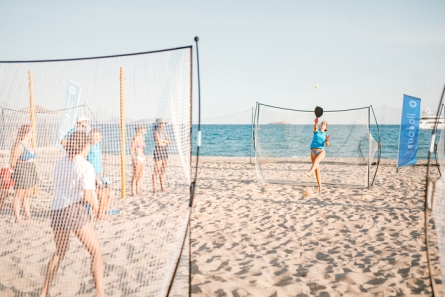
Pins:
<point x="282" y="139"/>
<point x="435" y="203"/>
<point x="115" y="210"/>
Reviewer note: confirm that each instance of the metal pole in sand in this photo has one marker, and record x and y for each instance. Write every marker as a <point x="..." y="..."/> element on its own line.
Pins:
<point x="122" y="124"/>
<point x="32" y="117"/>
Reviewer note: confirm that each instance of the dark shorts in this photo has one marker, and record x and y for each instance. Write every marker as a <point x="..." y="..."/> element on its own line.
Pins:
<point x="160" y="153"/>
<point x="70" y="218"/>
<point x="25" y="175"/>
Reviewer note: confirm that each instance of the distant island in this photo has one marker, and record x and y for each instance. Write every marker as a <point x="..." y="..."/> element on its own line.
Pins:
<point x="280" y="123"/>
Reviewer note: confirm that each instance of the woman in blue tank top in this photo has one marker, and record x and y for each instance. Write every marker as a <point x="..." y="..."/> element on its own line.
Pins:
<point x="102" y="183"/>
<point x="24" y="171"/>
<point x="319" y="142"/>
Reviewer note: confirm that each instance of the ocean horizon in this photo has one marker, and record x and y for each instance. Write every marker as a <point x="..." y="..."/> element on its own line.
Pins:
<point x="235" y="140"/>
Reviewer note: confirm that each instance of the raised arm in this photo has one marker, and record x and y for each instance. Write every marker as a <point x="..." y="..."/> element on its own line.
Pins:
<point x="315" y="124"/>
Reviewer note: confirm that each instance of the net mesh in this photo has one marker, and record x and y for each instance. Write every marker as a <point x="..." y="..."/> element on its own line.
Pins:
<point x="435" y="227"/>
<point x="439" y="147"/>
<point x="282" y="146"/>
<point x="244" y="117"/>
<point x="66" y="228"/>
<point x="439" y="227"/>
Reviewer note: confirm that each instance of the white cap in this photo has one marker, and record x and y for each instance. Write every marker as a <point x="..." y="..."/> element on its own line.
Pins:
<point x="82" y="118"/>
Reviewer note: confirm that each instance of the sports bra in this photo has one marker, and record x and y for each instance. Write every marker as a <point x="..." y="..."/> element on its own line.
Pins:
<point x="27" y="155"/>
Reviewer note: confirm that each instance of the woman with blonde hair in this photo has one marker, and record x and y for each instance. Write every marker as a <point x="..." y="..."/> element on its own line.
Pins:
<point x="138" y="157"/>
<point x="74" y="188"/>
<point x="24" y="171"/>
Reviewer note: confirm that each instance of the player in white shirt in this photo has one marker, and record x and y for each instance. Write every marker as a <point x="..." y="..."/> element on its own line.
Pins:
<point x="74" y="187"/>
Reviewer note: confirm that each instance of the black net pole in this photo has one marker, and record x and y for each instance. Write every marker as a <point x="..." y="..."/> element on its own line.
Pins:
<point x="427" y="241"/>
<point x="369" y="148"/>
<point x="192" y="187"/>
<point x="435" y="148"/>
<point x="198" y="141"/>
<point x="379" y="149"/>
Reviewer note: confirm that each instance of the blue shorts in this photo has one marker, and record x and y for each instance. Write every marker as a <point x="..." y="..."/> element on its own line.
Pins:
<point x="316" y="151"/>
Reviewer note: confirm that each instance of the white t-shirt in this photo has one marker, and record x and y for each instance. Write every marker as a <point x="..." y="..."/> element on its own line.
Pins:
<point x="70" y="179"/>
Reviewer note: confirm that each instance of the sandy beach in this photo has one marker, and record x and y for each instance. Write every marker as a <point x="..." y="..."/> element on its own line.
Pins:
<point x="256" y="239"/>
<point x="248" y="238"/>
<point x="140" y="246"/>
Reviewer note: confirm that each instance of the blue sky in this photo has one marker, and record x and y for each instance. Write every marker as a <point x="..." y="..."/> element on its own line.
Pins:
<point x="274" y="52"/>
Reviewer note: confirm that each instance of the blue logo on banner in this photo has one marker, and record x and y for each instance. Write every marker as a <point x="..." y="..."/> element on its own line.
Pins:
<point x="409" y="131"/>
<point x="68" y="119"/>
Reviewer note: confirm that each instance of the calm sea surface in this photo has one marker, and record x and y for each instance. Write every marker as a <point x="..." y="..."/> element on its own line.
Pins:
<point x="234" y="140"/>
<point x="282" y="140"/>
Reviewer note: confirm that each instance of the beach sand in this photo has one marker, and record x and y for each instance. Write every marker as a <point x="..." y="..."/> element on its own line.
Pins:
<point x="248" y="238"/>
<point x="256" y="239"/>
<point x="140" y="246"/>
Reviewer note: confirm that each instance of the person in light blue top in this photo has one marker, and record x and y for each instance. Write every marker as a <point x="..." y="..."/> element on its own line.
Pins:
<point x="102" y="183"/>
<point x="320" y="140"/>
<point x="95" y="157"/>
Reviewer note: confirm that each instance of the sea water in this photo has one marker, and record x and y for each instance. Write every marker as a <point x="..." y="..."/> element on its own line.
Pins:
<point x="235" y="140"/>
